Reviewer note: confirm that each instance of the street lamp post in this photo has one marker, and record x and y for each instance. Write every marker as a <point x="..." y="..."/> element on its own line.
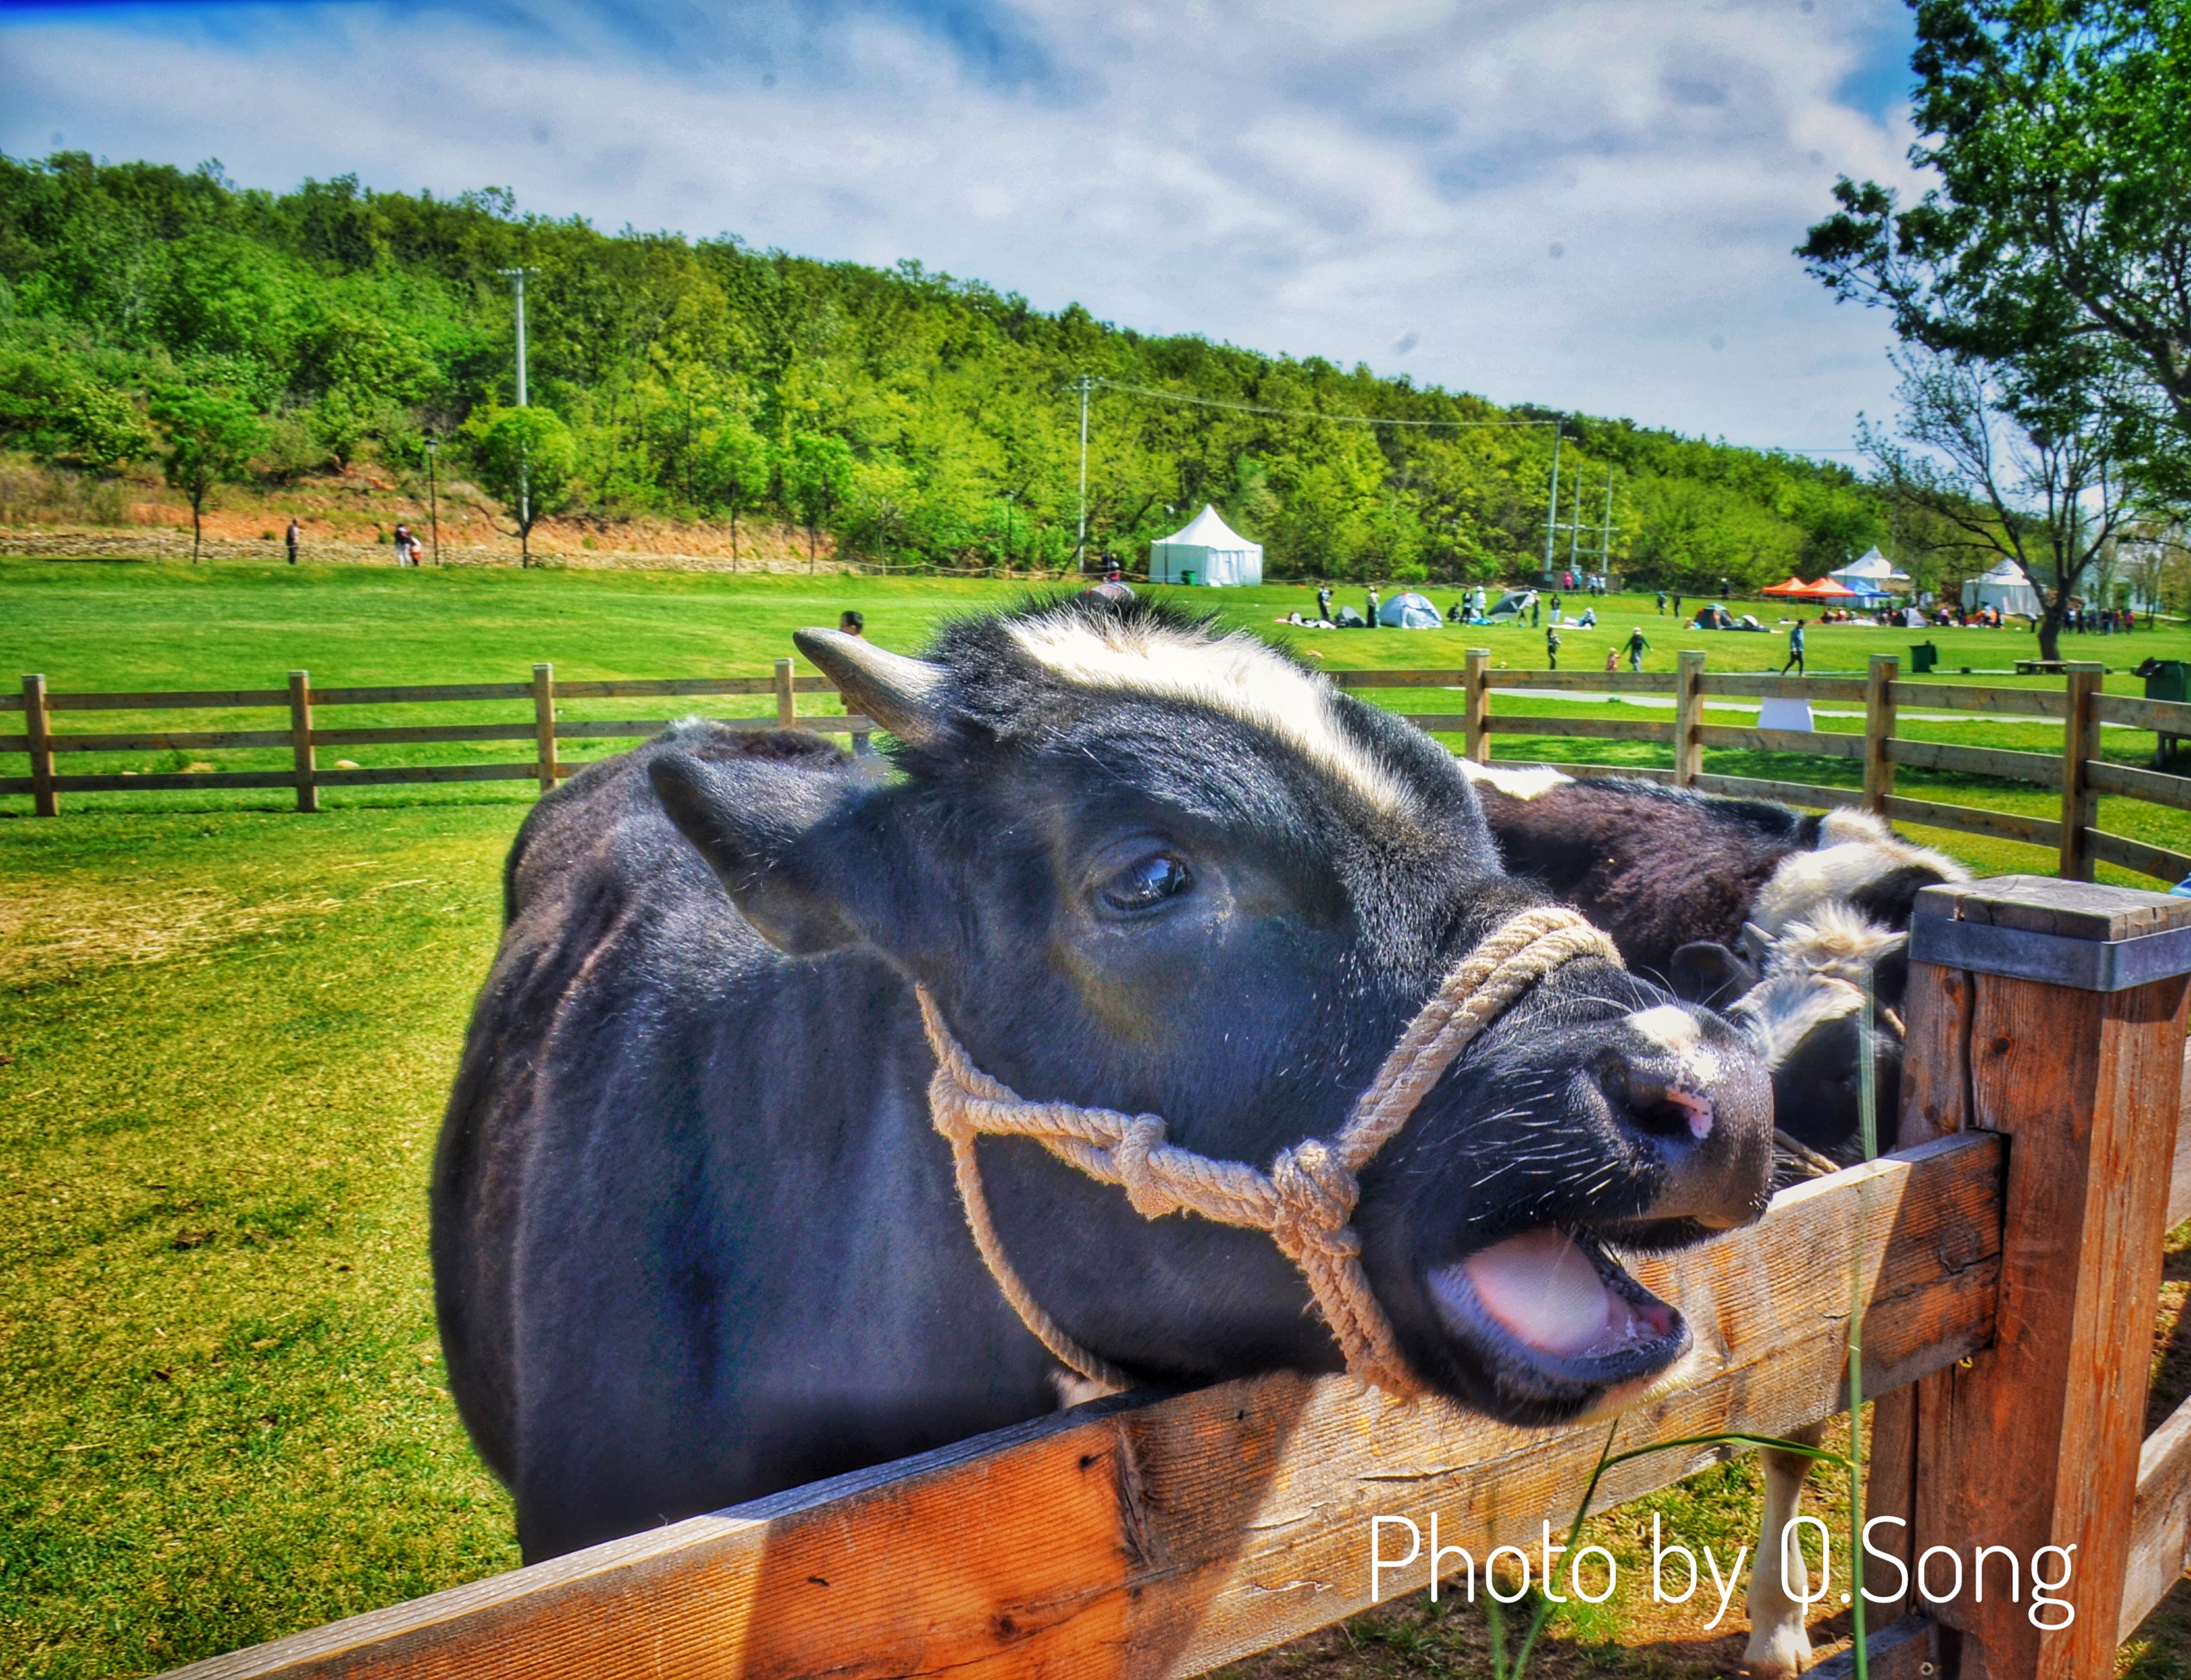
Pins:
<point x="433" y="494"/>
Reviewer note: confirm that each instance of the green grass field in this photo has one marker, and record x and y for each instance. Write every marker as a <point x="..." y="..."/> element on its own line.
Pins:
<point x="225" y="1035"/>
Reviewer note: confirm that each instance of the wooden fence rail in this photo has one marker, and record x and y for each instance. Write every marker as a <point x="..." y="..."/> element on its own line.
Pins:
<point x="2004" y="1268"/>
<point x="304" y="736"/>
<point x="2077" y="773"/>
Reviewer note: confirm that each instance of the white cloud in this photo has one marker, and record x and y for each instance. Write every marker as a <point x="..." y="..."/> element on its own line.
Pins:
<point x="1340" y="181"/>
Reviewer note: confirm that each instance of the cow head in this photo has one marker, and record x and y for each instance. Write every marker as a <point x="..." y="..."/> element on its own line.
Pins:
<point x="1147" y="867"/>
<point x="1829" y="921"/>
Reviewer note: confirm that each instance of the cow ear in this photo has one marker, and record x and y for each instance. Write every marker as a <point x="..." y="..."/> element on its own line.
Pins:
<point x="781" y="839"/>
<point x="1707" y="973"/>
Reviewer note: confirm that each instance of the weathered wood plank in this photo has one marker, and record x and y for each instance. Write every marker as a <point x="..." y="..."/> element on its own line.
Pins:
<point x="2043" y="768"/>
<point x="2162" y="717"/>
<point x="2179" y="1172"/>
<point x="1398" y="679"/>
<point x="652" y="688"/>
<point x="180" y="700"/>
<point x="1785" y="792"/>
<point x="1596" y="729"/>
<point x="1967" y="697"/>
<point x="419" y="733"/>
<point x="1144" y="1536"/>
<point x="1975" y="819"/>
<point x="1761" y="686"/>
<point x="2130" y="781"/>
<point x="410" y="693"/>
<point x="177" y="740"/>
<point x="1586" y="682"/>
<point x="14" y="743"/>
<point x="2159" y="862"/>
<point x="2160" y="1524"/>
<point x="1819" y="743"/>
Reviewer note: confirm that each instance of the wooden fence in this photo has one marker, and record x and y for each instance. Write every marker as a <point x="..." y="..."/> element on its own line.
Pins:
<point x="302" y="734"/>
<point x="2011" y="1257"/>
<point x="2077" y="771"/>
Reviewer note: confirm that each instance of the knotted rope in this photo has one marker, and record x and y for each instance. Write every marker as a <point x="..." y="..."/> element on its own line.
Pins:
<point x="1305" y="1201"/>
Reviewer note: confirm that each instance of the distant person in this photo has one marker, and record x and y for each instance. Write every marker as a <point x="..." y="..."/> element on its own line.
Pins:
<point x="852" y="623"/>
<point x="1536" y="614"/>
<point x="1555" y="605"/>
<point x="402" y="544"/>
<point x="291" y="537"/>
<point x="1589" y="619"/>
<point x="1324" y="602"/>
<point x="1795" y="651"/>
<point x="1677" y="606"/>
<point x="1637" y="645"/>
<point x="1613" y="659"/>
<point x="1662" y="603"/>
<point x="1373" y="609"/>
<point x="1551" y="647"/>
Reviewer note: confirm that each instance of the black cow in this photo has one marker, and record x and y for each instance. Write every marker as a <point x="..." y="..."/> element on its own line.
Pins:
<point x="1779" y="917"/>
<point x="1775" y="916"/>
<point x="695" y="1239"/>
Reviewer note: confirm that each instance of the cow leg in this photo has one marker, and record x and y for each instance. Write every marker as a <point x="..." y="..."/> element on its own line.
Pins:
<point x="1780" y="1642"/>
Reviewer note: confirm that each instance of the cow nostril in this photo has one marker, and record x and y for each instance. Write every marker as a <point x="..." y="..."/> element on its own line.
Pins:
<point x="1663" y="1109"/>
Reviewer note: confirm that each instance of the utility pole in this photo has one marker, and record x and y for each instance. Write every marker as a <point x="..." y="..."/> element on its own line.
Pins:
<point x="434" y="492"/>
<point x="1083" y="384"/>
<point x="1552" y="513"/>
<point x="517" y="277"/>
<point x="1605" y="530"/>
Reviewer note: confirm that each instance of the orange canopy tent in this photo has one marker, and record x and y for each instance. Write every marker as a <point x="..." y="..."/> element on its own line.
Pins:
<point x="1794" y="586"/>
<point x="1829" y="589"/>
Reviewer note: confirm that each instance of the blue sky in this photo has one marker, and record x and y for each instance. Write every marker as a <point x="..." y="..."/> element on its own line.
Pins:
<point x="1585" y="203"/>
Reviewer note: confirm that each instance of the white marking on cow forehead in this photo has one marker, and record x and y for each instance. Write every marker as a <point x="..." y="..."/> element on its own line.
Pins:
<point x="1235" y="675"/>
<point x="1780" y="1014"/>
<point x="1514" y="783"/>
<point x="1855" y="850"/>
<point x="1672" y="1029"/>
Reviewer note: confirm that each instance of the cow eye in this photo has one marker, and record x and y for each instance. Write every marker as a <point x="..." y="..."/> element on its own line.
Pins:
<point x="1145" y="883"/>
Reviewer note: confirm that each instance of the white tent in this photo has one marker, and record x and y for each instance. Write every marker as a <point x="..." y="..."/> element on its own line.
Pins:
<point x="1208" y="551"/>
<point x="1871" y="576"/>
<point x="2004" y="587"/>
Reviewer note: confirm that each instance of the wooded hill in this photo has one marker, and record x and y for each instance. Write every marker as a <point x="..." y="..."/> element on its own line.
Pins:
<point x="923" y="420"/>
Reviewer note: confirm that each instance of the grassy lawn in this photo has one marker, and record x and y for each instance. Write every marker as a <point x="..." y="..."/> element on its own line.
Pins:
<point x="226" y="1032"/>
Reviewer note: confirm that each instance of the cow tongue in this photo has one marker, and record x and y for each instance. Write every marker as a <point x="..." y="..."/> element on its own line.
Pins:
<point x="1542" y="1289"/>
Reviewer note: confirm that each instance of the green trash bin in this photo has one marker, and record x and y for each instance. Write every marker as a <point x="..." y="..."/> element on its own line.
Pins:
<point x="1922" y="658"/>
<point x="2168" y="679"/>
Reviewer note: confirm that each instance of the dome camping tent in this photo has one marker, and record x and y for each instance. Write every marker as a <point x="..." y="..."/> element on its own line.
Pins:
<point x="1207" y="551"/>
<point x="1408" y="611"/>
<point x="2006" y="588"/>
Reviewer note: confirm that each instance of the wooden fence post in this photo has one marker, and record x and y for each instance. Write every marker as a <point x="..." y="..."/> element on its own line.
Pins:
<point x="2080" y="806"/>
<point x="787" y="700"/>
<point x="300" y="740"/>
<point x="1878" y="730"/>
<point x="1688" y="714"/>
<point x="2069" y="1000"/>
<point x="36" y="726"/>
<point x="1476" y="707"/>
<point x="544" y="723"/>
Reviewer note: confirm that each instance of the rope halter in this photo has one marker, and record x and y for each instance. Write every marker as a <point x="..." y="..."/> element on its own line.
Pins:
<point x="1305" y="1201"/>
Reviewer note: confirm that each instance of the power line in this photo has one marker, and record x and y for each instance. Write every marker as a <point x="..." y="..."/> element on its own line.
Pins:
<point x="1301" y="413"/>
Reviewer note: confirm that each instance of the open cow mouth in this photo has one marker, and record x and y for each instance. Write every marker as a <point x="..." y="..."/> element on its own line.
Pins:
<point x="1559" y="1318"/>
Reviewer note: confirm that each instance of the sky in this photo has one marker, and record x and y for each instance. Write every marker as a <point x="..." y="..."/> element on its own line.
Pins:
<point x="1587" y="204"/>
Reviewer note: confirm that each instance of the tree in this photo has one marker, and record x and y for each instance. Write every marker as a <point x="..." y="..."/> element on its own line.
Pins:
<point x="815" y="477"/>
<point x="2032" y="475"/>
<point x="210" y="438"/>
<point x="2056" y="131"/>
<point x="729" y="469"/>
<point x="525" y="458"/>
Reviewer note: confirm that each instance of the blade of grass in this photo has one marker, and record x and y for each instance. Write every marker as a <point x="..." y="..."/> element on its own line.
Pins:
<point x="1867" y="1102"/>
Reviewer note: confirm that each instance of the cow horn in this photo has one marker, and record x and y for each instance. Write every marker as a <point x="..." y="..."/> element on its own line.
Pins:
<point x="906" y="697"/>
